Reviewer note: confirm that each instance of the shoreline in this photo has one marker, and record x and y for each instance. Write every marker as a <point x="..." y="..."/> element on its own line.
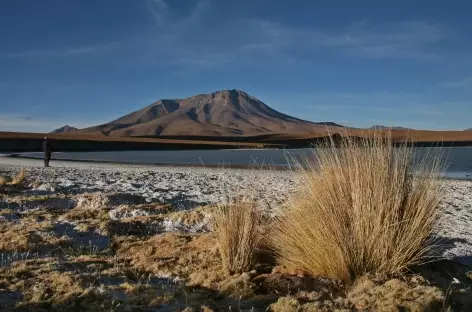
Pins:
<point x="171" y="165"/>
<point x="38" y="162"/>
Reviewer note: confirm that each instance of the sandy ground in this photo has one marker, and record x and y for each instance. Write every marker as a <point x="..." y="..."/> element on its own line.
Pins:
<point x="186" y="188"/>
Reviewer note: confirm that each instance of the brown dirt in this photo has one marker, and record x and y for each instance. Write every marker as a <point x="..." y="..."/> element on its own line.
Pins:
<point x="193" y="257"/>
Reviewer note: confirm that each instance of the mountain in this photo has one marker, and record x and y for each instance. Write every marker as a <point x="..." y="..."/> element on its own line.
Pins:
<point x="381" y="127"/>
<point x="329" y="123"/>
<point x="470" y="129"/>
<point x="65" y="129"/>
<point x="222" y="113"/>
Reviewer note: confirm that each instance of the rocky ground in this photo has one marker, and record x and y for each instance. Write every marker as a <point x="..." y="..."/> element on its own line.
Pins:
<point x="106" y="237"/>
<point x="183" y="187"/>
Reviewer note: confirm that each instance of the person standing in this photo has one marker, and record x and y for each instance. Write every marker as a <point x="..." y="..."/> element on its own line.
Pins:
<point x="47" y="151"/>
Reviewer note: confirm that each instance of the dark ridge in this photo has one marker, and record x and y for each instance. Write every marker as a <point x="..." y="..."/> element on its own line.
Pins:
<point x="329" y="123"/>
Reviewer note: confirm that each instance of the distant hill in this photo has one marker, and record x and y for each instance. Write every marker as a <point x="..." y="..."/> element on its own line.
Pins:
<point x="329" y="123"/>
<point x="381" y="127"/>
<point x="470" y="129"/>
<point x="65" y="129"/>
<point x="222" y="113"/>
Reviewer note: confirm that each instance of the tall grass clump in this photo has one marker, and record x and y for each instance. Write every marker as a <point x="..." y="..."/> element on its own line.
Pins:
<point x="237" y="231"/>
<point x="364" y="206"/>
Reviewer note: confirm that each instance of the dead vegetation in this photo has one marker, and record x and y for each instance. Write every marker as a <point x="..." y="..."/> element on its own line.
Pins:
<point x="237" y="229"/>
<point x="367" y="294"/>
<point x="19" y="178"/>
<point x="364" y="207"/>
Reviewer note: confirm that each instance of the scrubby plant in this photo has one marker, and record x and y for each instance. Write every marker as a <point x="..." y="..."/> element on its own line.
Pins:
<point x="237" y="231"/>
<point x="365" y="206"/>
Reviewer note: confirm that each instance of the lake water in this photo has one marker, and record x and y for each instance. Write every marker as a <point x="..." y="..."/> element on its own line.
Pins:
<point x="459" y="159"/>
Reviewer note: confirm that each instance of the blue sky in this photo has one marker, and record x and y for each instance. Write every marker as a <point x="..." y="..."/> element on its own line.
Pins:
<point x="358" y="63"/>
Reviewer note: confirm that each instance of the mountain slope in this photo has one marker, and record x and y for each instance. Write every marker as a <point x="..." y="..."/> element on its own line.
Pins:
<point x="65" y="129"/>
<point x="222" y="113"/>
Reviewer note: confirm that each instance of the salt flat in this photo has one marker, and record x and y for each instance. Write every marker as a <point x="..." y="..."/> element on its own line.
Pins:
<point x="187" y="188"/>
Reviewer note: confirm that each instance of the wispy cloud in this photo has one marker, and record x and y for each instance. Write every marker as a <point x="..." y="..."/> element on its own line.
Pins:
<point x="412" y="39"/>
<point x="204" y="37"/>
<point x="463" y="83"/>
<point x="60" y="52"/>
<point x="194" y="40"/>
<point x="167" y="19"/>
<point x="160" y="11"/>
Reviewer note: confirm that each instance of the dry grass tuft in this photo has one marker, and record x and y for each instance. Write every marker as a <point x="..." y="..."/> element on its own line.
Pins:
<point x="365" y="207"/>
<point x="19" y="178"/>
<point x="16" y="180"/>
<point x="237" y="231"/>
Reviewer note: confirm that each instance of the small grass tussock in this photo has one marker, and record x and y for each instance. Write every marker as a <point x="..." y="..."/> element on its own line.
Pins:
<point x="16" y="180"/>
<point x="237" y="229"/>
<point x="366" y="206"/>
<point x="19" y="178"/>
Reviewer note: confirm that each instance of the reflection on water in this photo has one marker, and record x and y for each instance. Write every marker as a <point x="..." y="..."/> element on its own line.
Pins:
<point x="459" y="159"/>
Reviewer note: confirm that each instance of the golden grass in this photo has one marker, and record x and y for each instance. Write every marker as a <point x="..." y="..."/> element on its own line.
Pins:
<point x="361" y="209"/>
<point x="19" y="178"/>
<point x="3" y="180"/>
<point x="237" y="231"/>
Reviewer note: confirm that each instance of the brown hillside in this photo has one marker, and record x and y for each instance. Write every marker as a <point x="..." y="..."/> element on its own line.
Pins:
<point x="222" y="113"/>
